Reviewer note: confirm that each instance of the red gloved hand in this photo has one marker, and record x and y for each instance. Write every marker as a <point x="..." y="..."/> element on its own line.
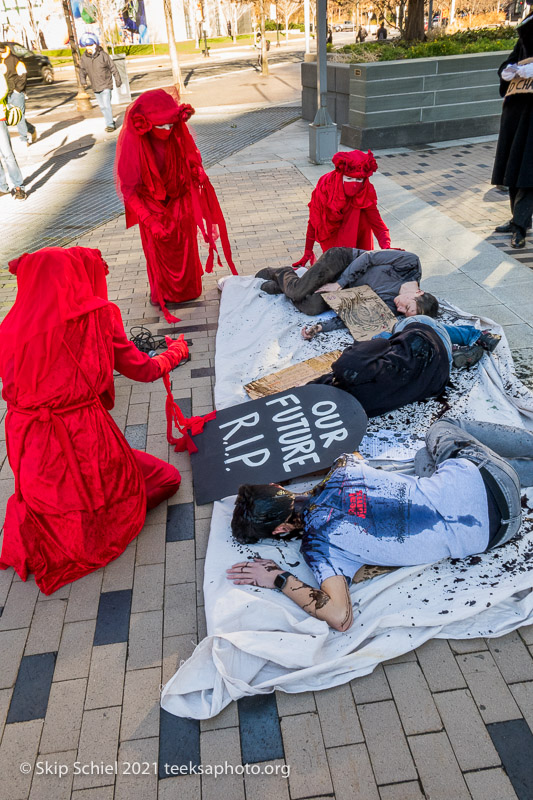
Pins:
<point x="158" y="228"/>
<point x="177" y="353"/>
<point x="307" y="256"/>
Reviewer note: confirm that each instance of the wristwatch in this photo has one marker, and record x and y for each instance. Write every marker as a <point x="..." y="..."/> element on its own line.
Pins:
<point x="281" y="579"/>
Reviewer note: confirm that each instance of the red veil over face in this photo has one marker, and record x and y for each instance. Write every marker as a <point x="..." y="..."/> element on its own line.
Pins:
<point x="329" y="200"/>
<point x="159" y="186"/>
<point x="54" y="285"/>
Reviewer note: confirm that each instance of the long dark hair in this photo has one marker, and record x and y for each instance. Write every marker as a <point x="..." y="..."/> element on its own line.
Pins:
<point x="259" y="510"/>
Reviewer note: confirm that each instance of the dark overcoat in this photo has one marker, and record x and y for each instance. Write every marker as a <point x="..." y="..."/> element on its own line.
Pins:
<point x="513" y="164"/>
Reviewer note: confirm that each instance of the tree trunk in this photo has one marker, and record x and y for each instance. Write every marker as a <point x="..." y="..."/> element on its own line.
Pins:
<point x="34" y="27"/>
<point x="173" y="53"/>
<point x="414" y="28"/>
<point x="264" y="53"/>
<point x="452" y="10"/>
<point x="83" y="102"/>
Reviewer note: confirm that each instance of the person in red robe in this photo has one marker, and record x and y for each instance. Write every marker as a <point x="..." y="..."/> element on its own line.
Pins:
<point x="81" y="492"/>
<point x="343" y="211"/>
<point x="167" y="192"/>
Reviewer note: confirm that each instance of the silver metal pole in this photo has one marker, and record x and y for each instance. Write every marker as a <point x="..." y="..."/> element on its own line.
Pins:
<point x="322" y="131"/>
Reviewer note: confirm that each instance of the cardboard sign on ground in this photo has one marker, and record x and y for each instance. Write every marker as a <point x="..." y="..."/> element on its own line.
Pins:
<point x="274" y="439"/>
<point x="362" y="311"/>
<point x="297" y="375"/>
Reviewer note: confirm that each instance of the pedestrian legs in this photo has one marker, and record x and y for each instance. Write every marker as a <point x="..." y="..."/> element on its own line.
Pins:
<point x="26" y="129"/>
<point x="522" y="207"/>
<point x="104" y="101"/>
<point x="13" y="170"/>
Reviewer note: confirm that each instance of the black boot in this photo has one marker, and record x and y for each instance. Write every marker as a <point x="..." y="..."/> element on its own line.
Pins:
<point x="507" y="227"/>
<point x="518" y="240"/>
<point x="489" y="341"/>
<point x="467" y="356"/>
<point x="270" y="287"/>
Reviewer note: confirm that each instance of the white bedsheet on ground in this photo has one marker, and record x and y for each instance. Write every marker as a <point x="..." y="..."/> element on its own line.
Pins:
<point x="258" y="640"/>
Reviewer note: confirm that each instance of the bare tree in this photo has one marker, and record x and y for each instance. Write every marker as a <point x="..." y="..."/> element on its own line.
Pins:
<point x="264" y="53"/>
<point x="173" y="53"/>
<point x="33" y="26"/>
<point x="288" y="8"/>
<point x="260" y="10"/>
<point x="100" y="18"/>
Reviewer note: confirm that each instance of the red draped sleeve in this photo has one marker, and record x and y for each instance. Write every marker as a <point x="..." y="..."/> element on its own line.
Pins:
<point x="129" y="361"/>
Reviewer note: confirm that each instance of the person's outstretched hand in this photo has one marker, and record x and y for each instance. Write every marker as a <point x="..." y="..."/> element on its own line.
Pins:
<point x="258" y="572"/>
<point x="328" y="287"/>
<point x="307" y="256"/>
<point x="176" y="354"/>
<point x="310" y="332"/>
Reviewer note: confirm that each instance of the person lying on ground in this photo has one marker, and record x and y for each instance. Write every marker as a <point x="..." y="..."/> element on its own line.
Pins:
<point x="360" y="515"/>
<point x="81" y="492"/>
<point x="343" y="209"/>
<point x="394" y="275"/>
<point x="462" y="356"/>
<point x="385" y="374"/>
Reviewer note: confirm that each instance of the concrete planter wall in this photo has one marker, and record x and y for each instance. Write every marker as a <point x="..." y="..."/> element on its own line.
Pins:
<point x="396" y="103"/>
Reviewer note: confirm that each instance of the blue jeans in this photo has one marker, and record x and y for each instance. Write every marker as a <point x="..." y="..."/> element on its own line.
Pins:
<point x="104" y="101"/>
<point x="13" y="169"/>
<point x="463" y="335"/>
<point x="450" y="438"/>
<point x="25" y="128"/>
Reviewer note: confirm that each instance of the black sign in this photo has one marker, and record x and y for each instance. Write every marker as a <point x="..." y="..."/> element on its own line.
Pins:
<point x="275" y="438"/>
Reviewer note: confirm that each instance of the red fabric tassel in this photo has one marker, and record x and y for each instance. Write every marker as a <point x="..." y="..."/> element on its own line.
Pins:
<point x="187" y="426"/>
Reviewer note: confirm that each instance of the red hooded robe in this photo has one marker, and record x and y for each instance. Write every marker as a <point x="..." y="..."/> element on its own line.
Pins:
<point x="346" y="214"/>
<point x="81" y="492"/>
<point x="166" y="190"/>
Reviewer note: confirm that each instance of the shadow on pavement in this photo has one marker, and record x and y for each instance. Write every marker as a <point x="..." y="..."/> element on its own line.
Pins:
<point x="50" y="167"/>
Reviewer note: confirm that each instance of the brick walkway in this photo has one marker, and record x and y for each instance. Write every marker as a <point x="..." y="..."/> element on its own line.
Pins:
<point x="81" y="670"/>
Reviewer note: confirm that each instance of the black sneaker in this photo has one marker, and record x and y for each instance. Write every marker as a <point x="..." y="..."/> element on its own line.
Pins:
<point x="466" y="357"/>
<point x="518" y="241"/>
<point x="270" y="287"/>
<point x="19" y="194"/>
<point x="489" y="341"/>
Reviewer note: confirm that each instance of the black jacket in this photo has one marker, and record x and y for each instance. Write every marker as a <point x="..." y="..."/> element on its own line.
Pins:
<point x="15" y="75"/>
<point x="386" y="374"/>
<point x="100" y="69"/>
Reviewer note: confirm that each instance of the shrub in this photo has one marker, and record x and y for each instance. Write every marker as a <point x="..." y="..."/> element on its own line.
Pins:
<point x="481" y="40"/>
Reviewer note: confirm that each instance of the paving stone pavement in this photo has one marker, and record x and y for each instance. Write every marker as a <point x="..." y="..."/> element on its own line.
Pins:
<point x="456" y="179"/>
<point x="81" y="669"/>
